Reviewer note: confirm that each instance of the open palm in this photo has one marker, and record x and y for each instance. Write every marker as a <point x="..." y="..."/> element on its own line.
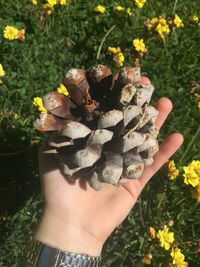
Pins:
<point x="94" y="214"/>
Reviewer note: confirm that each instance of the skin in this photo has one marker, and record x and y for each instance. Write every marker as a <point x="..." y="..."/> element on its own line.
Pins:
<point x="79" y="219"/>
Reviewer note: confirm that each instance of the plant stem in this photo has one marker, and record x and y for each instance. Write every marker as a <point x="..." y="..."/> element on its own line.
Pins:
<point x="103" y="40"/>
<point x="2" y="155"/>
<point x="140" y="212"/>
<point x="190" y="144"/>
<point x="161" y="199"/>
<point x="186" y="242"/>
<point x="174" y="7"/>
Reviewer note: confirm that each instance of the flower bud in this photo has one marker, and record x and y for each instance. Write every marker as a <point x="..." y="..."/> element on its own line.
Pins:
<point x="170" y="222"/>
<point x="147" y="259"/>
<point x="152" y="232"/>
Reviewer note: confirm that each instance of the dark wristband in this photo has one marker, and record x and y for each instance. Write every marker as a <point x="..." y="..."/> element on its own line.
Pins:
<point x="38" y="254"/>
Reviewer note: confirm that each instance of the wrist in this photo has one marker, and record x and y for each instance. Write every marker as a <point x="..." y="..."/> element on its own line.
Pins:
<point x="67" y="235"/>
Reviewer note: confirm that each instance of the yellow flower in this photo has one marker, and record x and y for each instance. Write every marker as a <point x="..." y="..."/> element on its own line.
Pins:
<point x="34" y="2"/>
<point x="63" y="2"/>
<point x="119" y="59"/>
<point x="129" y="12"/>
<point x="50" y="4"/>
<point x="140" y="3"/>
<point x="178" y="258"/>
<point x="192" y="173"/>
<point x="114" y="50"/>
<point x="198" y="105"/>
<point x="118" y="55"/>
<point x="196" y="193"/>
<point x="10" y="33"/>
<point x="147" y="259"/>
<point x="178" y="21"/>
<point x="38" y="103"/>
<point x="100" y="9"/>
<point x="162" y="21"/>
<point x="62" y="90"/>
<point x="151" y="23"/>
<point x="194" y="19"/>
<point x="154" y="20"/>
<point x="173" y="172"/>
<point x="165" y="237"/>
<point x="119" y="9"/>
<point x="162" y="27"/>
<point x="139" y="45"/>
<point x="162" y="30"/>
<point x="2" y="72"/>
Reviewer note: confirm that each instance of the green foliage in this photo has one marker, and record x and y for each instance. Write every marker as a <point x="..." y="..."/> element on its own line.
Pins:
<point x="71" y="37"/>
<point x="16" y="231"/>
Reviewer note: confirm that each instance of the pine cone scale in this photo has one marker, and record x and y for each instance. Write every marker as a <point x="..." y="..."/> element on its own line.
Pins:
<point x="105" y="130"/>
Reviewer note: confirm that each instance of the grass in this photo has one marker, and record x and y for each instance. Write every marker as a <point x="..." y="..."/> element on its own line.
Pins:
<point x="75" y="36"/>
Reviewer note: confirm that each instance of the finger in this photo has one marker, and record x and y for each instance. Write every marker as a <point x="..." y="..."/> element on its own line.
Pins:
<point x="164" y="106"/>
<point x="134" y="187"/>
<point x="167" y="149"/>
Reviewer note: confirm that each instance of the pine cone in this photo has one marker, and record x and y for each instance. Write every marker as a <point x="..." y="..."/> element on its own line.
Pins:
<point x="105" y="130"/>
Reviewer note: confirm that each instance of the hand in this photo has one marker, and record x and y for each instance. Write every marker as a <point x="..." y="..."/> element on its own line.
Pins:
<point x="79" y="219"/>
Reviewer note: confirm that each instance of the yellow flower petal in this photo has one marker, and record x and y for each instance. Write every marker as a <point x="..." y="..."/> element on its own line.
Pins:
<point x="173" y="172"/>
<point x="165" y="237"/>
<point x="119" y="59"/>
<point x="194" y="19"/>
<point x="196" y="192"/>
<point x="178" y="21"/>
<point x="114" y="50"/>
<point x="62" y="90"/>
<point x="100" y="9"/>
<point x="178" y="258"/>
<point x="2" y="72"/>
<point x="192" y="173"/>
<point x="38" y="103"/>
<point x="10" y="33"/>
<point x="139" y="45"/>
<point x="119" y="9"/>
<point x="140" y="3"/>
<point x="129" y="12"/>
<point x="63" y="2"/>
<point x="34" y="2"/>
